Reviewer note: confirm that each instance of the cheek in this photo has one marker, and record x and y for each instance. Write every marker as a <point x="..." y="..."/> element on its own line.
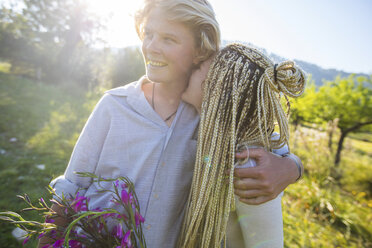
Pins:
<point x="195" y="87"/>
<point x="143" y="46"/>
<point x="194" y="94"/>
<point x="185" y="59"/>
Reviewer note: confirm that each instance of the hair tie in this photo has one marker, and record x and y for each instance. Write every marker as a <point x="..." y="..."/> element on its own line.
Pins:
<point x="275" y="72"/>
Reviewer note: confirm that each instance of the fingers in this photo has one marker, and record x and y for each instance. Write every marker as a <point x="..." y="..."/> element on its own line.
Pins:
<point x="247" y="194"/>
<point x="256" y="201"/>
<point x="252" y="172"/>
<point x="246" y="184"/>
<point x="253" y="188"/>
<point x="255" y="153"/>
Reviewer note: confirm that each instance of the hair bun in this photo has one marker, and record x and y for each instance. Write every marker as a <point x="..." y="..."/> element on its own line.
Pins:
<point x="288" y="78"/>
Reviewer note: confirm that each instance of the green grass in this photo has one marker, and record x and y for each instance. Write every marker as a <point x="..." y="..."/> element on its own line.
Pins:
<point x="5" y="67"/>
<point x="320" y="211"/>
<point x="39" y="124"/>
<point x="46" y="120"/>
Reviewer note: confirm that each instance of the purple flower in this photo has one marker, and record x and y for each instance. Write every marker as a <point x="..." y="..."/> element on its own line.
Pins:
<point x="41" y="235"/>
<point x="80" y="203"/>
<point x="53" y="233"/>
<point x="122" y="216"/>
<point x="125" y="196"/>
<point x="138" y="218"/>
<point x="115" y="202"/>
<point x="124" y="186"/>
<point x="26" y="240"/>
<point x="58" y="244"/>
<point x="100" y="227"/>
<point x="126" y="236"/>
<point x="74" y="244"/>
<point x="98" y="209"/>
<point x="47" y="220"/>
<point x="43" y="202"/>
<point x="118" y="231"/>
<point x="82" y="236"/>
<point x="126" y="242"/>
<point x="46" y="246"/>
<point x="131" y="198"/>
<point x="108" y="215"/>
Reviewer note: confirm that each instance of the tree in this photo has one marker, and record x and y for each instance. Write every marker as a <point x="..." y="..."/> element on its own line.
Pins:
<point x="347" y="99"/>
<point x="45" y="35"/>
<point x="128" y="66"/>
<point x="300" y="108"/>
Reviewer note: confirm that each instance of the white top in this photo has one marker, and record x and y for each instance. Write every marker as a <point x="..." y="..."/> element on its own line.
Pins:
<point x="124" y="136"/>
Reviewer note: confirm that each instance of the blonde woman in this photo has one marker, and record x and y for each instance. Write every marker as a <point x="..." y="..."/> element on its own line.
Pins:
<point x="146" y="132"/>
<point x="240" y="108"/>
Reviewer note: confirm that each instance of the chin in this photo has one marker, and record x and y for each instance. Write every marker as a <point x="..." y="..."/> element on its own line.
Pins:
<point x="153" y="78"/>
<point x="156" y="77"/>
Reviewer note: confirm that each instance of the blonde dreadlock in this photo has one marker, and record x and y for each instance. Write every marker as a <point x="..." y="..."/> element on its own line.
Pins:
<point x="240" y="107"/>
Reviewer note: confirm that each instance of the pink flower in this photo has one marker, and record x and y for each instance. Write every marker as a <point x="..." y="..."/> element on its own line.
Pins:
<point x="58" y="244"/>
<point x="122" y="216"/>
<point x="126" y="236"/>
<point x="138" y="218"/>
<point x="108" y="215"/>
<point x="100" y="227"/>
<point x="80" y="203"/>
<point x="125" y="196"/>
<point x="47" y="220"/>
<point x="115" y="202"/>
<point x="26" y="240"/>
<point x="53" y="233"/>
<point x="118" y="230"/>
<point x="74" y="244"/>
<point x="41" y="235"/>
<point x="126" y="242"/>
<point x="124" y="186"/>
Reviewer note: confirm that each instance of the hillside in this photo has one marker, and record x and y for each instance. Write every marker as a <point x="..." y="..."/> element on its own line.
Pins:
<point x="318" y="74"/>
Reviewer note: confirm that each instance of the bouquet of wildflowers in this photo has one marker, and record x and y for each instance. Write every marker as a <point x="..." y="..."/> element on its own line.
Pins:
<point x="87" y="228"/>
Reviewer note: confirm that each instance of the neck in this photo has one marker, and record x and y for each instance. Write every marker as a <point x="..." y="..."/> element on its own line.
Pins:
<point x="164" y="98"/>
<point x="169" y="93"/>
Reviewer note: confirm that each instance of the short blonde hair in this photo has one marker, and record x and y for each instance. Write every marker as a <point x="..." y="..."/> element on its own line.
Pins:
<point x="198" y="15"/>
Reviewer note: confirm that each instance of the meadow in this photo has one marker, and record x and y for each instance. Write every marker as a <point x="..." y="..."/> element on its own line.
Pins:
<point x="40" y="124"/>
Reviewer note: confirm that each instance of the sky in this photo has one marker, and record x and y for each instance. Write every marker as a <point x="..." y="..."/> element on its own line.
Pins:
<point x="330" y="33"/>
<point x="334" y="34"/>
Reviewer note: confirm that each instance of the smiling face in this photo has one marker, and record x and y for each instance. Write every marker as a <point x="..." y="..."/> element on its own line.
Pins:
<point x="168" y="49"/>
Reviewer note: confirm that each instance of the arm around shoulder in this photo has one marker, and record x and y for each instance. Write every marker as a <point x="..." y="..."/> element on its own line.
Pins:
<point x="267" y="180"/>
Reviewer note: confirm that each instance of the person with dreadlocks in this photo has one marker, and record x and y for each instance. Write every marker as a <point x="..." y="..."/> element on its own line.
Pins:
<point x="144" y="131"/>
<point x="239" y="105"/>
